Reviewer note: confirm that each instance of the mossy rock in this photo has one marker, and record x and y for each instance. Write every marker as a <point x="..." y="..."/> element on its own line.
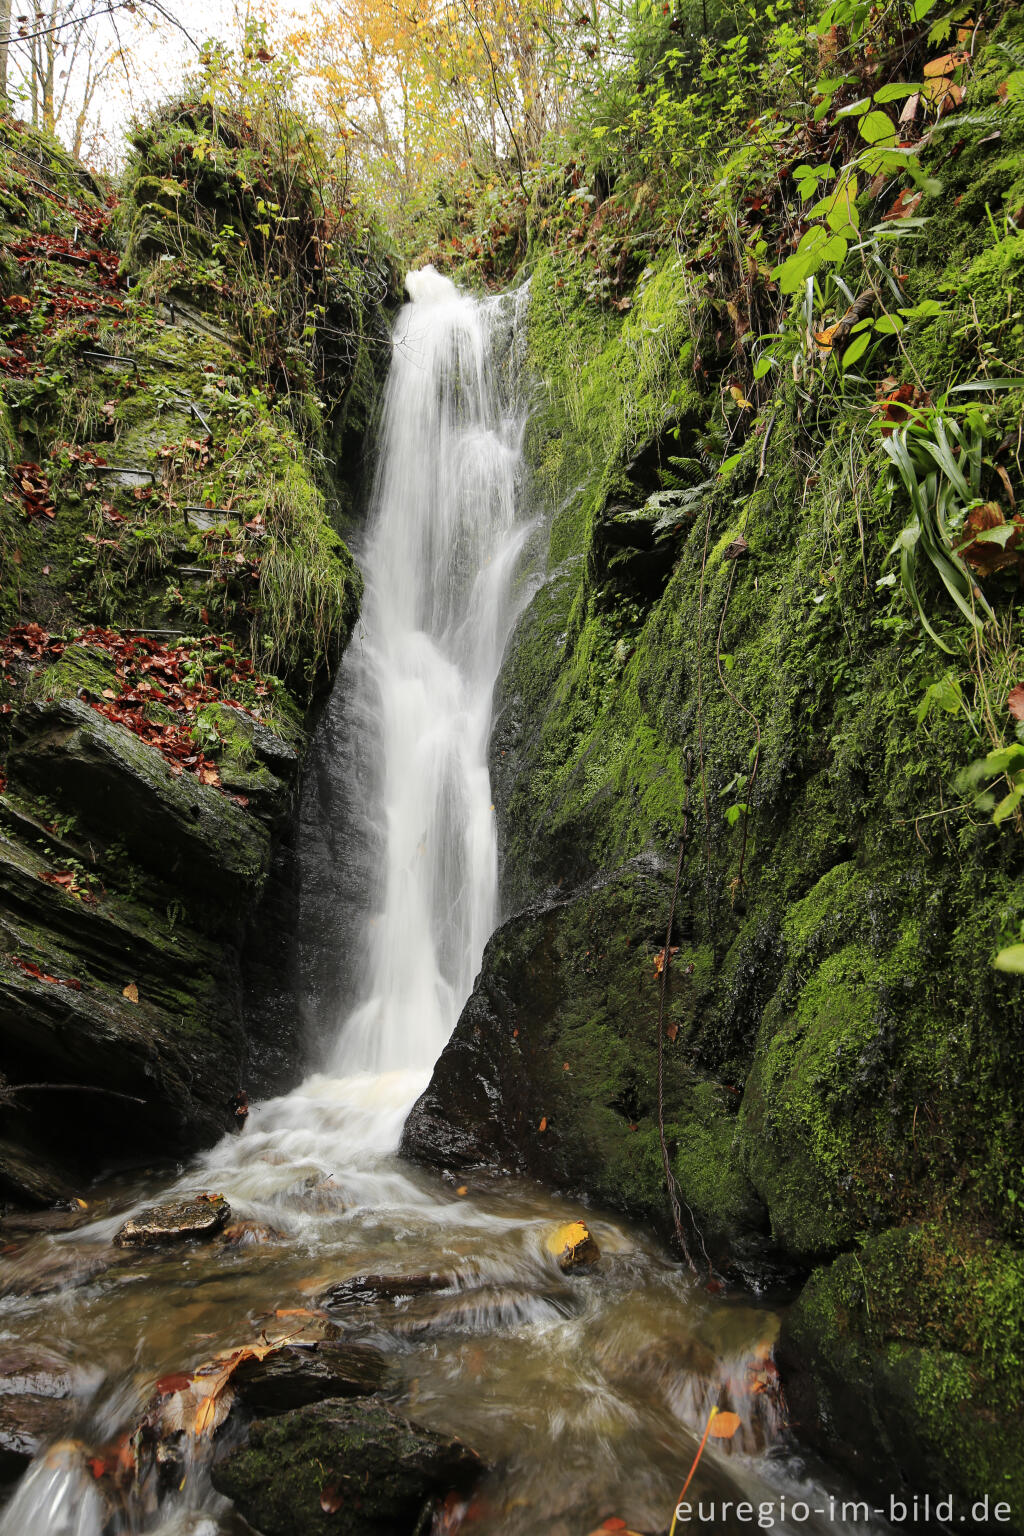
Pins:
<point x="551" y="1069"/>
<point x="176" y="827"/>
<point x="902" y="1361"/>
<point x="341" y="1468"/>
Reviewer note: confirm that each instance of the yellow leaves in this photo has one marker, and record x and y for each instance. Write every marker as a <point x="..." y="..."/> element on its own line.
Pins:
<point x="738" y="395"/>
<point x="573" y="1246"/>
<point x="131" y="992"/>
<point x="824" y="338"/>
<point x="724" y="1425"/>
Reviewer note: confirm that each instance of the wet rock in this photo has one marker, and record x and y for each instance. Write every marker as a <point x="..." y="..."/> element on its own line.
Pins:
<point x="348" y="1468"/>
<point x="31" y="1223"/>
<point x="33" y="1370"/>
<point x="171" y="824"/>
<point x="36" y="1274"/>
<point x="28" y="1421"/>
<point x="573" y="1247"/>
<point x="548" y="1072"/>
<point x="296" y="1377"/>
<point x="369" y="1288"/>
<point x="204" y="1216"/>
<point x="29" y="1178"/>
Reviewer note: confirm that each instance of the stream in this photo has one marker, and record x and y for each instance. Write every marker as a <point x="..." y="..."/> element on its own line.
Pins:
<point x="585" y="1393"/>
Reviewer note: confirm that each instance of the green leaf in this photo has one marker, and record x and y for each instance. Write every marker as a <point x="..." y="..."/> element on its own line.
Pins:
<point x="855" y="351"/>
<point x="763" y="364"/>
<point x="1010" y="959"/>
<point x="889" y="325"/>
<point x="895" y="92"/>
<point x="1000" y="535"/>
<point x="1006" y="807"/>
<point x="877" y="128"/>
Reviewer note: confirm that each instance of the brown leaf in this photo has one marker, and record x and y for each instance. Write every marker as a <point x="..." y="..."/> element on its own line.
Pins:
<point x="738" y="547"/>
<point x="543" y="1124"/>
<point x="131" y="992"/>
<point x="945" y="65"/>
<point x="1015" y="702"/>
<point x="672" y="1032"/>
<point x="331" y="1498"/>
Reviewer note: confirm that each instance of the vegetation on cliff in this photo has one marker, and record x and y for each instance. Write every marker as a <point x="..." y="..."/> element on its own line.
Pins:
<point x="190" y="361"/>
<point x="776" y="327"/>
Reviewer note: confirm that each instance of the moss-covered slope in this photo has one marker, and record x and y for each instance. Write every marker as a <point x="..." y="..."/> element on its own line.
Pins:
<point x="181" y="431"/>
<point x="721" y="659"/>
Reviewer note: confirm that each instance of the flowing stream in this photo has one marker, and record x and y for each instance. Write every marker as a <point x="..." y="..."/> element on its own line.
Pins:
<point x="586" y="1394"/>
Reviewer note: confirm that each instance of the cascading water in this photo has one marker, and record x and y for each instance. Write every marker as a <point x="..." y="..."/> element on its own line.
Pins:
<point x="586" y="1393"/>
<point x="442" y="552"/>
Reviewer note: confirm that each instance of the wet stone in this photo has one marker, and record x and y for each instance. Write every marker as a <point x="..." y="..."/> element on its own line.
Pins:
<point x="28" y="1421"/>
<point x="573" y="1247"/>
<point x="353" y="1468"/>
<point x="296" y="1377"/>
<point x="204" y="1216"/>
<point x="369" y="1288"/>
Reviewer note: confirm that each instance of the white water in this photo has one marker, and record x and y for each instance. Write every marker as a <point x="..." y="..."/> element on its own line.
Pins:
<point x="442" y="553"/>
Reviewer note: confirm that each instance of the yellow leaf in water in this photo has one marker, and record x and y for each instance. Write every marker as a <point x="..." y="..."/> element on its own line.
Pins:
<point x="725" y="1425"/>
<point x="463" y="1189"/>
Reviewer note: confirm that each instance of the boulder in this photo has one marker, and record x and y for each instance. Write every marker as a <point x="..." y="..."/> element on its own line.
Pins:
<point x="552" y="1068"/>
<point x="203" y="1216"/>
<point x="369" y="1288"/>
<point x="341" y="1468"/>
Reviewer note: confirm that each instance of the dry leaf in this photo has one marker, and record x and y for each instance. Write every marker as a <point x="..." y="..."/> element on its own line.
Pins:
<point x="131" y="992"/>
<point x="331" y="1498"/>
<point x="1015" y="702"/>
<point x="725" y="1425"/>
<point x="543" y="1124"/>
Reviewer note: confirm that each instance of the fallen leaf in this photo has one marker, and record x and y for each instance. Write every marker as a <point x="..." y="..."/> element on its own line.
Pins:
<point x="543" y="1124"/>
<point x="1015" y="702"/>
<point x="672" y="1031"/>
<point x="463" y="1189"/>
<point x="725" y="1425"/>
<point x="131" y="992"/>
<point x="331" y="1498"/>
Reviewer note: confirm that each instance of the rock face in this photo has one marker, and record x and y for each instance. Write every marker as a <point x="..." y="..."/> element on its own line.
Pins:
<point x="551" y="1070"/>
<point x="710" y="671"/>
<point x="159" y="685"/>
<point x="204" y="1216"/>
<point x="352" y="1469"/>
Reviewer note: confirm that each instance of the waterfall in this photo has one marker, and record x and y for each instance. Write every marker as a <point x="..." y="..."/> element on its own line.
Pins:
<point x="443" y="547"/>
<point x="443" y="550"/>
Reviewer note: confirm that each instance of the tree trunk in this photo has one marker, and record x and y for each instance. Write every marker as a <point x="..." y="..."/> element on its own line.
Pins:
<point x="5" y="32"/>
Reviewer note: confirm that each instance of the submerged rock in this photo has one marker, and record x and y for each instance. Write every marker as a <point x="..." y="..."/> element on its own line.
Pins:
<point x="352" y="1469"/>
<point x="383" y="1288"/>
<point x="204" y="1216"/>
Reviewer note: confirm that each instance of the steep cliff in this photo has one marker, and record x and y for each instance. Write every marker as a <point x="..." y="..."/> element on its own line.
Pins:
<point x="721" y="667"/>
<point x="190" y="362"/>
